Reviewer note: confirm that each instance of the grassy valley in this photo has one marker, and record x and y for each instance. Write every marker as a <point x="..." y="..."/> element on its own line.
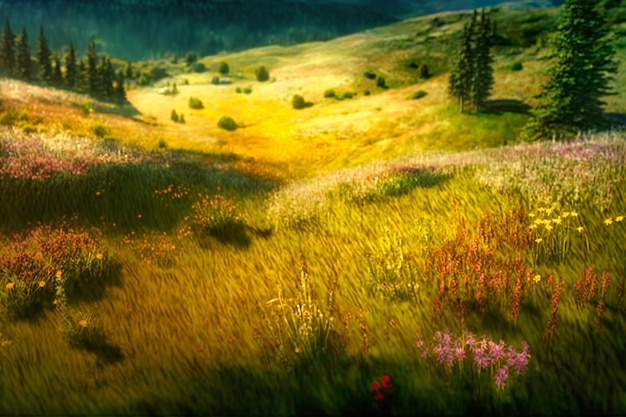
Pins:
<point x="372" y="253"/>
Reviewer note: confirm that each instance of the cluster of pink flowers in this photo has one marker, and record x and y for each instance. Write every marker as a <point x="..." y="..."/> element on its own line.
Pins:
<point x="382" y="389"/>
<point x="485" y="353"/>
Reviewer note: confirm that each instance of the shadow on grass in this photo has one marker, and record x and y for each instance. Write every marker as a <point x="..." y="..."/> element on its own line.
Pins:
<point x="89" y="288"/>
<point x="232" y="234"/>
<point x="106" y="353"/>
<point x="506" y="106"/>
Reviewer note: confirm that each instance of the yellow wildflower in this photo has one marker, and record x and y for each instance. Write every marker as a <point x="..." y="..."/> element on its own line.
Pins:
<point x="573" y="214"/>
<point x="608" y="221"/>
<point x="565" y="214"/>
<point x="541" y="209"/>
<point x="297" y="349"/>
<point x="557" y="220"/>
<point x="549" y="211"/>
<point x="531" y="215"/>
<point x="42" y="284"/>
<point x="537" y="278"/>
<point x="99" y="256"/>
<point x="538" y="221"/>
<point x="55" y="302"/>
<point x="548" y="227"/>
<point x="10" y="285"/>
<point x="58" y="274"/>
<point x="83" y="323"/>
<point x="619" y="218"/>
<point x="533" y="226"/>
<point x="538" y="240"/>
<point x="580" y="229"/>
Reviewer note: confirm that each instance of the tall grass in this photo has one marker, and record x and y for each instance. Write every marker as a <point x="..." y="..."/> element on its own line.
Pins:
<point x="325" y="285"/>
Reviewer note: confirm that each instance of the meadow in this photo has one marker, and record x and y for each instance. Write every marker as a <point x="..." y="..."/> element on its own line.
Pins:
<point x="301" y="266"/>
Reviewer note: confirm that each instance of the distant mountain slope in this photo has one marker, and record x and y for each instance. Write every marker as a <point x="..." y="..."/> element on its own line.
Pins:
<point x="140" y="29"/>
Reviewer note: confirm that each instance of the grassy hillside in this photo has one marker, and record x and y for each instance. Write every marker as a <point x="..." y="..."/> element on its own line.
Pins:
<point x="377" y="255"/>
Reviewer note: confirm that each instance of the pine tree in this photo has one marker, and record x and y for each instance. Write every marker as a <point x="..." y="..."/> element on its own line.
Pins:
<point x="7" y="50"/>
<point x="120" y="91"/>
<point x="570" y="101"/>
<point x="44" y="56"/>
<point x="105" y="78"/>
<point x="128" y="72"/>
<point x="91" y="68"/>
<point x="71" y="74"/>
<point x="82" y="76"/>
<point x="57" y="75"/>
<point x="23" y="62"/>
<point x="483" y="76"/>
<point x="461" y="76"/>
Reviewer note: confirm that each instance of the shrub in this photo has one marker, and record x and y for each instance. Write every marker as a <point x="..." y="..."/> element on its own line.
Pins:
<point x="84" y="332"/>
<point x="215" y="80"/>
<point x="197" y="67"/>
<point x="144" y="79"/>
<point x="195" y="103"/>
<point x="262" y="74"/>
<point x="298" y="102"/>
<point x="227" y="123"/>
<point x="174" y="116"/>
<point x="101" y="130"/>
<point x="347" y="95"/>
<point x="422" y="71"/>
<point x="370" y="74"/>
<point x="14" y="117"/>
<point x="380" y="82"/>
<point x="419" y="94"/>
<point x="517" y="66"/>
<point x="157" y="73"/>
<point x="330" y="93"/>
<point x="247" y="90"/>
<point x="223" y="68"/>
<point x="216" y="215"/>
<point x="366" y="92"/>
<point x="238" y="90"/>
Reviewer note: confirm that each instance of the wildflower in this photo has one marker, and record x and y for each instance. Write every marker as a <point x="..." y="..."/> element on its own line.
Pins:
<point x="386" y="379"/>
<point x="375" y="385"/>
<point x="379" y="396"/>
<point x="537" y="278"/>
<point x="55" y="302"/>
<point x="565" y="214"/>
<point x="619" y="218"/>
<point x="573" y="214"/>
<point x="200" y="348"/>
<point x="58" y="274"/>
<point x="99" y="256"/>
<point x="538" y="240"/>
<point x="531" y="215"/>
<point x="548" y="227"/>
<point x="557" y="220"/>
<point x="533" y="226"/>
<point x="83" y="323"/>
<point x="42" y="284"/>
<point x="297" y="349"/>
<point x="501" y="376"/>
<point x="10" y="285"/>
<point x="580" y="229"/>
<point x="608" y="221"/>
<point x="496" y="350"/>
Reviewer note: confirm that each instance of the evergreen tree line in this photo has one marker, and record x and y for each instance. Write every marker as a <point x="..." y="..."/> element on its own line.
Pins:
<point x="471" y="79"/>
<point x="580" y="75"/>
<point x="94" y="74"/>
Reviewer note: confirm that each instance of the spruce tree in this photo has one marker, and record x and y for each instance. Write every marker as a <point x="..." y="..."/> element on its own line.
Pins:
<point x="57" y="75"/>
<point x="44" y="56"/>
<point x="128" y="72"/>
<point x="7" y="50"/>
<point x="120" y="91"/>
<point x="71" y="71"/>
<point x="91" y="68"/>
<point x="570" y="101"/>
<point x="23" y="62"/>
<point x="483" y="75"/>
<point x="462" y="74"/>
<point x="82" y="76"/>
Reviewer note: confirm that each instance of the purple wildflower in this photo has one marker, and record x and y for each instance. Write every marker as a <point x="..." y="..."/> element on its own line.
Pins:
<point x="480" y="358"/>
<point x="469" y="338"/>
<point x="496" y="350"/>
<point x="501" y="376"/>
<point x="421" y="345"/>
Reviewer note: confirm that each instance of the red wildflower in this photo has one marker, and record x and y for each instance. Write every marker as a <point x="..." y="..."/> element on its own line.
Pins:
<point x="386" y="379"/>
<point x="379" y="397"/>
<point x="375" y="385"/>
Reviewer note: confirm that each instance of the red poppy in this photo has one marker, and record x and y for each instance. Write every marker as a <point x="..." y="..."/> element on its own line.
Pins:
<point x="375" y="385"/>
<point x="379" y="396"/>
<point x="386" y="379"/>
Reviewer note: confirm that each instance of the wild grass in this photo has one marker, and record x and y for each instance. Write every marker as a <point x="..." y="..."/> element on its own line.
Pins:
<point x="228" y="295"/>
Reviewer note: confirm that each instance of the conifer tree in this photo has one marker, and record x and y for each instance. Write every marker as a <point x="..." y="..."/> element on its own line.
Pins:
<point x="7" y="50"/>
<point x="57" y="75"/>
<point x="71" y="71"/>
<point x="582" y="68"/>
<point x="23" y="62"/>
<point x="483" y="76"/>
<point x="82" y="76"/>
<point x="462" y="74"/>
<point x="120" y="91"/>
<point x="91" y="68"/>
<point x="128" y="72"/>
<point x="44" y="56"/>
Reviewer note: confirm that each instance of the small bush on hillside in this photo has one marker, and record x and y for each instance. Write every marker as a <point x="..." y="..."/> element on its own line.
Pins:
<point x="370" y="74"/>
<point x="366" y="92"/>
<point x="157" y="73"/>
<point x="247" y="90"/>
<point x="380" y="82"/>
<point x="216" y="215"/>
<point x="223" y="68"/>
<point x="419" y="94"/>
<point x="195" y="103"/>
<point x="330" y="93"/>
<point x="227" y="123"/>
<point x="215" y="80"/>
<point x="423" y="71"/>
<point x="262" y="74"/>
<point x="298" y="102"/>
<point x="197" y="67"/>
<point x="517" y="66"/>
<point x="238" y="90"/>
<point x="144" y="79"/>
<point x="14" y="117"/>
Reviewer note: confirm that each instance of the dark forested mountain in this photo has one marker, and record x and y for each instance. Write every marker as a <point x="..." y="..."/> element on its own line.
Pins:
<point x="138" y="29"/>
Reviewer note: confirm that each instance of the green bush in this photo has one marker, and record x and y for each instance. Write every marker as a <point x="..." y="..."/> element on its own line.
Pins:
<point x="195" y="103"/>
<point x="100" y="130"/>
<point x="238" y="90"/>
<point x="227" y="123"/>
<point x="419" y="94"/>
<point x="215" y="80"/>
<point x="223" y="68"/>
<point x="14" y="117"/>
<point x="262" y="74"/>
<point x="157" y="73"/>
<point x="366" y="92"/>
<point x="174" y="116"/>
<point x="517" y="66"/>
<point x="298" y="102"/>
<point x="197" y="67"/>
<point x="247" y="90"/>
<point x="380" y="82"/>
<point x="330" y="93"/>
<point x="423" y="71"/>
<point x="370" y="74"/>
